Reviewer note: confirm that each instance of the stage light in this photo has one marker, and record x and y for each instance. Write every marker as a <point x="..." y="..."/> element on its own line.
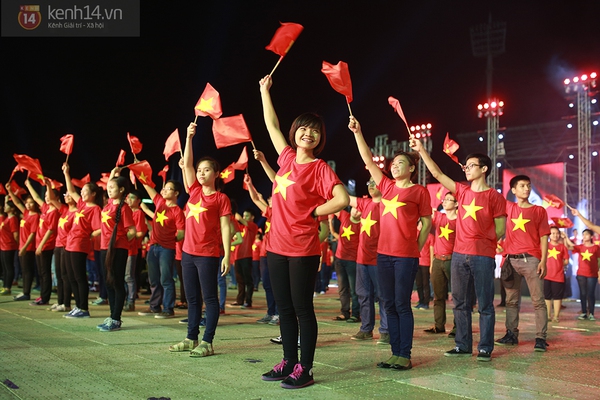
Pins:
<point x="571" y="105"/>
<point x="576" y="79"/>
<point x="594" y="101"/>
<point x="428" y="126"/>
<point x="500" y="136"/>
<point x="595" y="153"/>
<point x="595" y="123"/>
<point x="593" y="75"/>
<point x="494" y="104"/>
<point x="567" y="81"/>
<point x="569" y="126"/>
<point x="571" y="156"/>
<point x="499" y="164"/>
<point x="382" y="158"/>
<point x="381" y="165"/>
<point x="375" y="158"/>
<point x="417" y="127"/>
<point x="418" y="135"/>
<point x="499" y="191"/>
<point x="501" y="104"/>
<point x="481" y="138"/>
<point x="584" y="77"/>
<point x="412" y="128"/>
<point x="480" y="107"/>
<point x="486" y="106"/>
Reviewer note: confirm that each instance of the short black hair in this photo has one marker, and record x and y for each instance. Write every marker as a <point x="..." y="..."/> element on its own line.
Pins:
<point x="176" y="185"/>
<point x="588" y="230"/>
<point x="310" y="120"/>
<point x="482" y="160"/>
<point x="515" y="180"/>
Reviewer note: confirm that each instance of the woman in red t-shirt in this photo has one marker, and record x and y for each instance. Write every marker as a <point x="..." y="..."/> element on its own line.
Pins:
<point x="587" y="273"/>
<point x="28" y="228"/>
<point x="403" y="205"/>
<point x="207" y="231"/>
<point x="85" y="225"/>
<point x="305" y="188"/>
<point x="117" y="232"/>
<point x="9" y="244"/>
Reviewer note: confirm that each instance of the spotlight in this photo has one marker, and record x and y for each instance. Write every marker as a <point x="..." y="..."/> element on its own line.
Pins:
<point x="569" y="126"/>
<point x="486" y="106"/>
<point x="567" y="81"/>
<point x="595" y="153"/>
<point x="593" y="75"/>
<point x="576" y="79"/>
<point x="584" y="77"/>
<point x="571" y="105"/>
<point x="412" y="128"/>
<point x="428" y="126"/>
<point x="499" y="164"/>
<point x="595" y="123"/>
<point x="480" y="107"/>
<point x="594" y="101"/>
<point x="571" y="156"/>
<point x="500" y="136"/>
<point x="481" y="138"/>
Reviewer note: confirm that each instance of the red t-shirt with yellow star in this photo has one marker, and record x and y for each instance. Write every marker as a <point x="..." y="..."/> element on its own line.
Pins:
<point x="202" y="222"/>
<point x="588" y="260"/>
<point x="267" y="214"/>
<point x="475" y="227"/>
<point x="256" y="246"/>
<point x="347" y="248"/>
<point x="445" y="234"/>
<point x="139" y="220"/>
<point x="244" y="250"/>
<point x="28" y="225"/>
<point x="425" y="254"/>
<point x="108" y="215"/>
<point x="401" y="209"/>
<point x="8" y="226"/>
<point x="524" y="228"/>
<point x="167" y="221"/>
<point x="48" y="221"/>
<point x="87" y="220"/>
<point x="555" y="268"/>
<point x="65" y="222"/>
<point x="369" y="231"/>
<point x="297" y="190"/>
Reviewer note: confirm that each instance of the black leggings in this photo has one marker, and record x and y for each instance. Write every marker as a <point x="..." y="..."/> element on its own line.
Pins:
<point x="7" y="258"/>
<point x="78" y="278"/>
<point x="116" y="288"/>
<point x="293" y="282"/>
<point x="27" y="267"/>
<point x="63" y="285"/>
<point x="44" y="267"/>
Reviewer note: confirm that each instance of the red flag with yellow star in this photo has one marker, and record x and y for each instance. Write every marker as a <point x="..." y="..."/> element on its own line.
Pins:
<point x="134" y="142"/>
<point x="172" y="145"/>
<point x="339" y="78"/>
<point x="242" y="162"/>
<point x="228" y="174"/>
<point x="450" y="147"/>
<point x="56" y="184"/>
<point x="24" y="162"/>
<point x="66" y="144"/>
<point x="230" y="130"/>
<point x="16" y="189"/>
<point x="562" y="222"/>
<point x="143" y="172"/>
<point x="209" y="103"/>
<point x="285" y="36"/>
<point x="81" y="182"/>
<point x="551" y="200"/>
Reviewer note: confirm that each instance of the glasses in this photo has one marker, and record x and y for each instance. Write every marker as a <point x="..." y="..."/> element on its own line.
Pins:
<point x="468" y="167"/>
<point x="371" y="183"/>
<point x="454" y="201"/>
<point x="167" y="188"/>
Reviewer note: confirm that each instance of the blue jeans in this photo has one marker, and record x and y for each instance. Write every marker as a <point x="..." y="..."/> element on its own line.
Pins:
<point x="160" y="273"/>
<point x="222" y="287"/>
<point x="367" y="289"/>
<point x="130" y="278"/>
<point x="587" y="293"/>
<point x="477" y="271"/>
<point x="200" y="281"/>
<point x="266" y="280"/>
<point x="396" y="276"/>
<point x="346" y="277"/>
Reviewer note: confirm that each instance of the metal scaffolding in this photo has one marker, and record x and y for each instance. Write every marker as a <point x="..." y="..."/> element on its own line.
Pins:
<point x="585" y="174"/>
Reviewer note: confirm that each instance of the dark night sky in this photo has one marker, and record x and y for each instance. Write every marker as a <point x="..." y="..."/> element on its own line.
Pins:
<point x="101" y="88"/>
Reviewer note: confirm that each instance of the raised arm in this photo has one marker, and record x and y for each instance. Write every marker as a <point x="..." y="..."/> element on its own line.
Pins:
<point x="51" y="195"/>
<point x="15" y="199"/>
<point x="586" y="222"/>
<point x="185" y="183"/>
<point x="364" y="150"/>
<point x="147" y="210"/>
<point x="436" y="172"/>
<point x="70" y="188"/>
<point x="189" y="173"/>
<point x="259" y="155"/>
<point x="34" y="194"/>
<point x="254" y="195"/>
<point x="270" y="116"/>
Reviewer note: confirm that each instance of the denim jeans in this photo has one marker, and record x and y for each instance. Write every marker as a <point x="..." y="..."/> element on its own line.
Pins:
<point x="160" y="274"/>
<point x="526" y="268"/>
<point x="346" y="277"/>
<point x="130" y="278"/>
<point x="200" y="280"/>
<point x="396" y="276"/>
<point x="367" y="289"/>
<point x="470" y="271"/>
<point x="440" y="277"/>
<point x="222" y="281"/>
<point x="587" y="293"/>
<point x="266" y="280"/>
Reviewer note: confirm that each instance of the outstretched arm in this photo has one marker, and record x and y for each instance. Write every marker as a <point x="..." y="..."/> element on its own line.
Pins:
<point x="34" y="194"/>
<point x="270" y="116"/>
<point x="259" y="155"/>
<point x="254" y="195"/>
<point x="15" y="199"/>
<point x="583" y="219"/>
<point x="364" y="150"/>
<point x="189" y="172"/>
<point x="70" y="188"/>
<point x="436" y="172"/>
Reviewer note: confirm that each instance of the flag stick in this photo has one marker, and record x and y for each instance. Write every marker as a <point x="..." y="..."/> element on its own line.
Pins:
<point x="253" y="146"/>
<point x="67" y="160"/>
<point x="349" y="109"/>
<point x="276" y="65"/>
<point x="195" y="119"/>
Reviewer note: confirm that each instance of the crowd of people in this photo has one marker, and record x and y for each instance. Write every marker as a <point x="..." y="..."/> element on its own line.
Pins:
<point x="380" y="246"/>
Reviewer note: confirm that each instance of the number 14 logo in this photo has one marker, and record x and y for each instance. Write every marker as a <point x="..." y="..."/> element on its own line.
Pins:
<point x="29" y="17"/>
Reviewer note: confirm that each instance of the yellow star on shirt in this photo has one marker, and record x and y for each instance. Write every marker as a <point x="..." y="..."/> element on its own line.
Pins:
<point x="77" y="216"/>
<point x="195" y="210"/>
<point x="391" y="206"/>
<point x="254" y="246"/>
<point x="62" y="221"/>
<point x="22" y="223"/>
<point x="41" y="222"/>
<point x="205" y="104"/>
<point x="347" y="232"/>
<point x="268" y="226"/>
<point x="520" y="223"/>
<point x="445" y="231"/>
<point x="586" y="256"/>
<point x="471" y="210"/>
<point x="366" y="224"/>
<point x="282" y="183"/>
<point x="161" y="217"/>
<point x="105" y="217"/>
<point x="553" y="253"/>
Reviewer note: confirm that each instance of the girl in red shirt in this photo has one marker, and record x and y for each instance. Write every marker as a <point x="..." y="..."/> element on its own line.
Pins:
<point x="305" y="188"/>
<point x="85" y="225"/>
<point x="587" y="273"/>
<point x="207" y="231"/>
<point x="9" y="244"/>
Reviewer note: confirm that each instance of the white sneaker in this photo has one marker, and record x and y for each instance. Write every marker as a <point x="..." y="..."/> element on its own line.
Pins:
<point x="62" y="307"/>
<point x="274" y="320"/>
<point x="591" y="317"/>
<point x="53" y="307"/>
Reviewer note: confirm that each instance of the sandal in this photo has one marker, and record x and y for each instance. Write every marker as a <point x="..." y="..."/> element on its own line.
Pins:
<point x="204" y="349"/>
<point x="185" y="345"/>
<point x="340" y="318"/>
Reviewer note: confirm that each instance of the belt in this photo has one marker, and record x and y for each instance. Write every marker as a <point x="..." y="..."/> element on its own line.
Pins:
<point x="522" y="255"/>
<point x="443" y="257"/>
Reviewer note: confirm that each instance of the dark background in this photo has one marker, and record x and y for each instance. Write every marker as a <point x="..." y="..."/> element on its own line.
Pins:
<point x="419" y="52"/>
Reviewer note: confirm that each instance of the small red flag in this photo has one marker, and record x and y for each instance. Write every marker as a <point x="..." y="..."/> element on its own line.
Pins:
<point x="134" y="142"/>
<point x="103" y="180"/>
<point x="66" y="144"/>
<point x="209" y="103"/>
<point x="81" y="182"/>
<point x="143" y="172"/>
<point x="396" y="105"/>
<point x="24" y="162"/>
<point x="56" y="184"/>
<point x="2" y="189"/>
<point x="228" y="174"/>
<point x="121" y="158"/>
<point x="230" y="130"/>
<point x="450" y="147"/>
<point x="339" y="78"/>
<point x="242" y="162"/>
<point x="285" y="36"/>
<point x="16" y="189"/>
<point x="562" y="222"/>
<point x="132" y="177"/>
<point x="551" y="200"/>
<point x="163" y="174"/>
<point x="172" y="145"/>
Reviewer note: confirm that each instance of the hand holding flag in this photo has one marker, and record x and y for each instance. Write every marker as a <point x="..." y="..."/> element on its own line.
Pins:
<point x="143" y="172"/>
<point x="450" y="147"/>
<point x="285" y="36"/>
<point x="339" y="79"/>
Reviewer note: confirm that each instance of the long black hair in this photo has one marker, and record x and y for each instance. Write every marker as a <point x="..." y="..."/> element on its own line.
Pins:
<point x="110" y="252"/>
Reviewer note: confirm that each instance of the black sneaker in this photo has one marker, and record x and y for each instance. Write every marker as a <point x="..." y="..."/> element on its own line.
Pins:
<point x="540" y="344"/>
<point x="434" y="329"/>
<point x="279" y="371"/>
<point x="484" y="355"/>
<point x="300" y="377"/>
<point x="508" y="339"/>
<point x="457" y="352"/>
<point x="452" y="333"/>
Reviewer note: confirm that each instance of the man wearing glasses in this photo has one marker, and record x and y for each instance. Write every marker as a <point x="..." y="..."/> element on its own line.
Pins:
<point x="480" y="223"/>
